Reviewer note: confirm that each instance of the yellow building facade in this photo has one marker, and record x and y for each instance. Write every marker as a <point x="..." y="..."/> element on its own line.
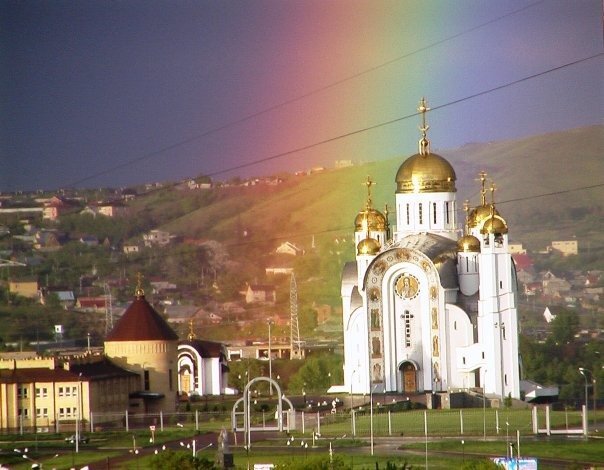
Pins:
<point x="53" y="394"/>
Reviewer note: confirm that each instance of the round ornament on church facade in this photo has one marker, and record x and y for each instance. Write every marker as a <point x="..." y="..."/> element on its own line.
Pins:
<point x="407" y="286"/>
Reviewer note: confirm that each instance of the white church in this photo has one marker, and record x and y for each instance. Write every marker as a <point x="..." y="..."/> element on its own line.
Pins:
<point x="429" y="307"/>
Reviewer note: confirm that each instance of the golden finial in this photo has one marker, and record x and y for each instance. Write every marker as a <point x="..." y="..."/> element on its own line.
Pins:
<point x="493" y="189"/>
<point x="424" y="143"/>
<point x="483" y="192"/>
<point x="139" y="292"/>
<point x="466" y="208"/>
<point x="492" y="199"/>
<point x="369" y="183"/>
<point x="191" y="335"/>
<point x="386" y="212"/>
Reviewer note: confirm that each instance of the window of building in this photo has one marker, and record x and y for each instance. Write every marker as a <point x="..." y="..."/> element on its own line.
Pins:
<point x="22" y="392"/>
<point x="41" y="392"/>
<point x="447" y="212"/>
<point x="408" y="215"/>
<point x="170" y="381"/>
<point x="421" y="213"/>
<point x="41" y="412"/>
<point x="146" y="379"/>
<point x="505" y="378"/>
<point x="61" y="391"/>
<point x="434" y="212"/>
<point x="74" y="391"/>
<point x="23" y="412"/>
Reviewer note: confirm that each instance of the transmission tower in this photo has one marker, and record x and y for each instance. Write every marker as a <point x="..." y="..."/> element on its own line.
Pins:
<point x="293" y="320"/>
<point x="108" y="310"/>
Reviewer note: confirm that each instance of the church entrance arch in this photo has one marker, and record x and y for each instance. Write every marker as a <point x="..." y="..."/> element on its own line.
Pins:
<point x="408" y="370"/>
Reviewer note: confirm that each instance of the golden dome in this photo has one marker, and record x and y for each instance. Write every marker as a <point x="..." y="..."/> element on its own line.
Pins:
<point x="479" y="214"/>
<point x="370" y="220"/>
<point x="468" y="244"/>
<point x="494" y="224"/>
<point x="368" y="246"/>
<point x="425" y="173"/>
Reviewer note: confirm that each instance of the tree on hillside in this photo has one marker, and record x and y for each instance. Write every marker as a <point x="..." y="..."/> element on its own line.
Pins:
<point x="564" y="327"/>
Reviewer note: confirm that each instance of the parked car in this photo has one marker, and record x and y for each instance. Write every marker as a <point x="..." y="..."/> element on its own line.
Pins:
<point x="71" y="439"/>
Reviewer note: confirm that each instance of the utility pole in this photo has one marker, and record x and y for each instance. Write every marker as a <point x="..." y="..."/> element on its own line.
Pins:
<point x="294" y="333"/>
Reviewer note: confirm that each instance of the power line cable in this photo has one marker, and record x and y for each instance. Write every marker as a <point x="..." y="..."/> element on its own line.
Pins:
<point x="399" y="119"/>
<point x="376" y="126"/>
<point x="298" y="98"/>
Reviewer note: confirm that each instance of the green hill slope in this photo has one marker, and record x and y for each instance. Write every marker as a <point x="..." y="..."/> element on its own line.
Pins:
<point x="325" y="204"/>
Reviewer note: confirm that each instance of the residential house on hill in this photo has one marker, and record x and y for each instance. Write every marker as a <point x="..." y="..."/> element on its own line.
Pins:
<point x="180" y="313"/>
<point x="131" y="248"/>
<point x="258" y="293"/>
<point x="566" y="247"/>
<point x="91" y="304"/>
<point x="65" y="295"/>
<point x="108" y="209"/>
<point x="25" y="288"/>
<point x="89" y="240"/>
<point x="57" y="206"/>
<point x="533" y="288"/>
<point x="551" y="312"/>
<point x="289" y="248"/>
<point x="48" y="240"/>
<point x="156" y="238"/>
<point x="554" y="286"/>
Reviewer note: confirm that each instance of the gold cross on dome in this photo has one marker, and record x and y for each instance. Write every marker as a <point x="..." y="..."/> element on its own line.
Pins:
<point x="369" y="183"/>
<point x="139" y="292"/>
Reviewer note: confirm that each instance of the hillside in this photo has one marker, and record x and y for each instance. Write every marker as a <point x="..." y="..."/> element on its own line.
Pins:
<point x="324" y="204"/>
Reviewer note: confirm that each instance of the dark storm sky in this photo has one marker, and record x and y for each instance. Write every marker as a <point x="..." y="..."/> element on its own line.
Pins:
<point x="111" y="93"/>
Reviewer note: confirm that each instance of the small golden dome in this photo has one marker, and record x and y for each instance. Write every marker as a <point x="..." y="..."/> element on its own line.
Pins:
<point x="425" y="173"/>
<point x="494" y="224"/>
<point x="370" y="220"/>
<point x="468" y="244"/>
<point x="368" y="246"/>
<point x="479" y="214"/>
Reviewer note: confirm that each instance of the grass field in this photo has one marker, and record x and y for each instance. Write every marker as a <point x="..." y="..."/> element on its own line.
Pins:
<point x="399" y="438"/>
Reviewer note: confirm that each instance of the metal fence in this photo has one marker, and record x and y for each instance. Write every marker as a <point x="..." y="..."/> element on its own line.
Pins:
<point x="360" y="423"/>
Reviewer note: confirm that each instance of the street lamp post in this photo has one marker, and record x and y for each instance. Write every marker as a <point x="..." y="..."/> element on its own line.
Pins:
<point x="582" y="371"/>
<point x="371" y="415"/>
<point x="484" y="406"/>
<point x="270" y="359"/>
<point x="351" y="399"/>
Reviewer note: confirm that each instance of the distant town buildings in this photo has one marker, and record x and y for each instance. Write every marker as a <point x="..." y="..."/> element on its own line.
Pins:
<point x="566" y="247"/>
